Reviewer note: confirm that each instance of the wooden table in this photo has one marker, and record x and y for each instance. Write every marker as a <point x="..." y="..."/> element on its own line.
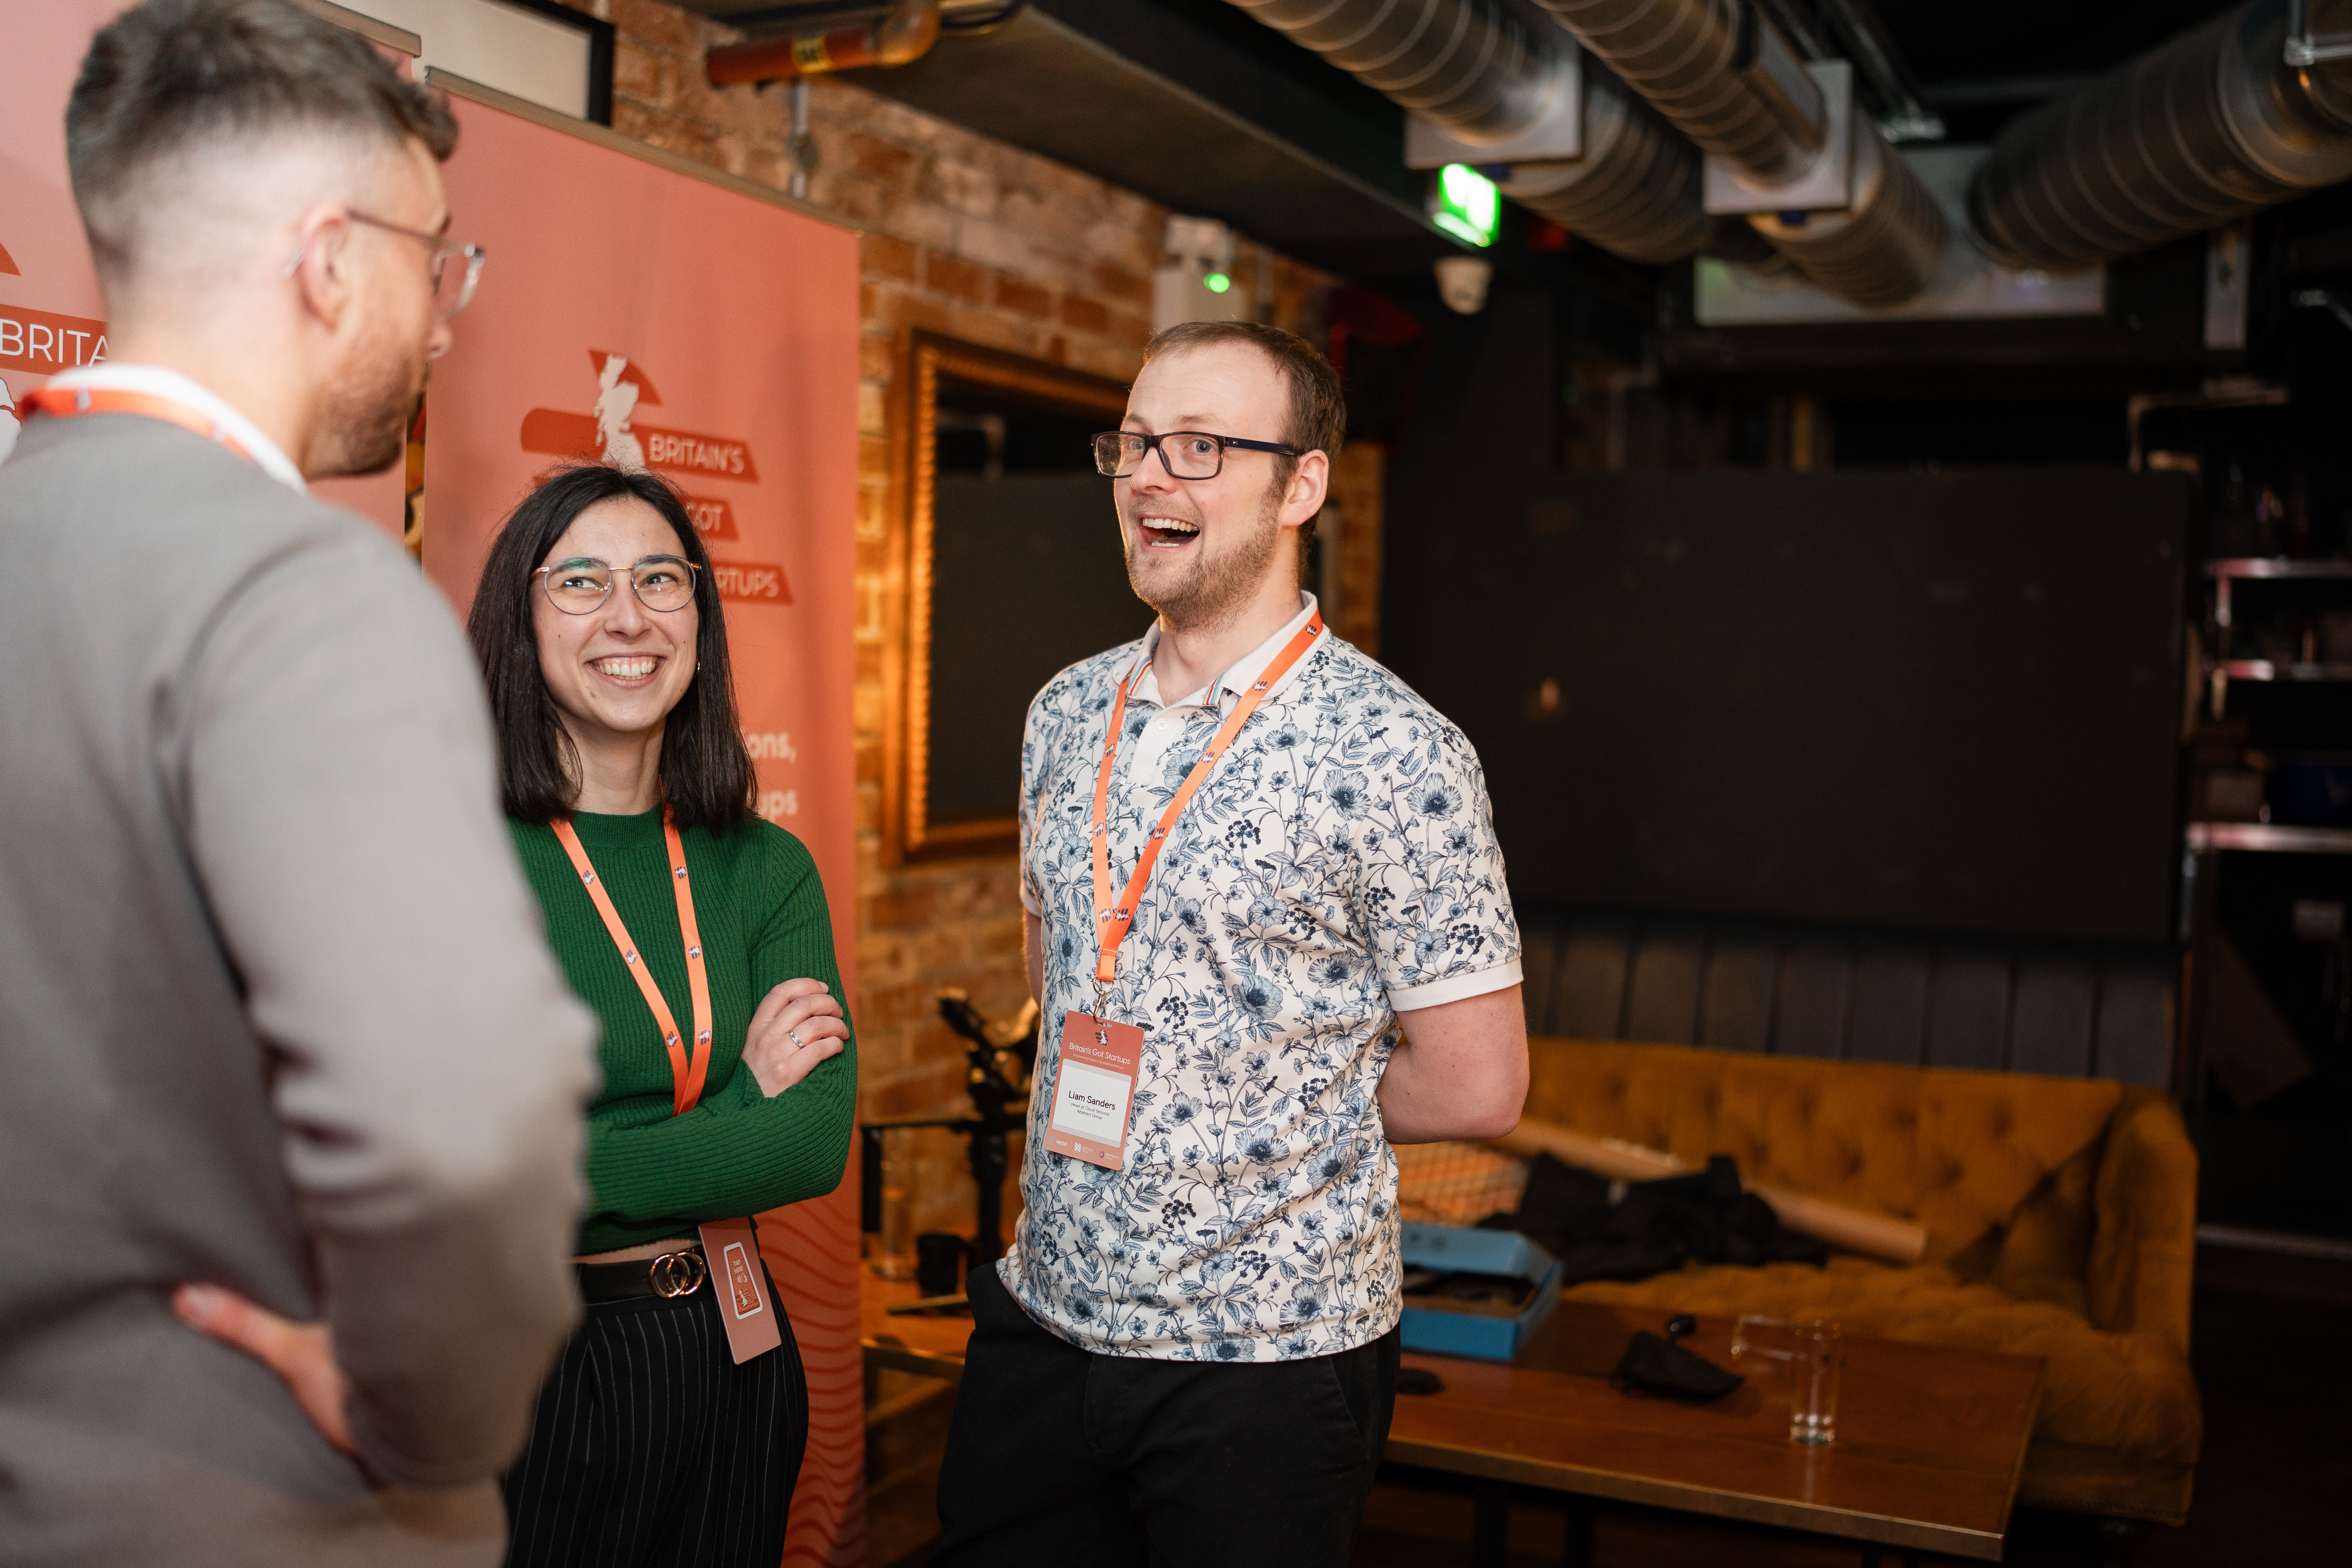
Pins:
<point x="929" y="1344"/>
<point x="1931" y="1439"/>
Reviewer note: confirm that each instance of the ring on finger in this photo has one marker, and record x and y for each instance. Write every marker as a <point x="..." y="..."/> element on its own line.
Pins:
<point x="794" y="1036"/>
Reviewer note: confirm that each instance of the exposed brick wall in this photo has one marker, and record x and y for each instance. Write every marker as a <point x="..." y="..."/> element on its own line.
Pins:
<point x="978" y="240"/>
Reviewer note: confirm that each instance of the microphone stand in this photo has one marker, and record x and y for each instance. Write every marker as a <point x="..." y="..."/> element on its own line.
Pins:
<point x="1000" y="1102"/>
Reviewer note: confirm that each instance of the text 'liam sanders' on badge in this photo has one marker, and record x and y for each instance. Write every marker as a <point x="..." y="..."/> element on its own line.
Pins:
<point x="1094" y="1084"/>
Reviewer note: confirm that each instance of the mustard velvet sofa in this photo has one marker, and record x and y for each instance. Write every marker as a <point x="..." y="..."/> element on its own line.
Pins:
<point x="2061" y="1215"/>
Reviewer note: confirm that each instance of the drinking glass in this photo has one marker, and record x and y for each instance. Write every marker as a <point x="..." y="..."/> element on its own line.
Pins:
<point x="1810" y="1355"/>
<point x="1814" y="1376"/>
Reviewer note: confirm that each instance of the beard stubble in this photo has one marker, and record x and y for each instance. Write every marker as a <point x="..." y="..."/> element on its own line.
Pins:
<point x="363" y="427"/>
<point x="1215" y="588"/>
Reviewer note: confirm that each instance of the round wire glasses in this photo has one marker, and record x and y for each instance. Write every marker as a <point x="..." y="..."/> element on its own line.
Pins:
<point x="581" y="586"/>
<point x="453" y="286"/>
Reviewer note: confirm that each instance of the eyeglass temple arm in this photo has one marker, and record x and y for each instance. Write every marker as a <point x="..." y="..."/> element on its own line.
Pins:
<point x="1151" y="442"/>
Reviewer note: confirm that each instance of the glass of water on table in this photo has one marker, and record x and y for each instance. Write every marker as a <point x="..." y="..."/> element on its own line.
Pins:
<point x="1808" y="1355"/>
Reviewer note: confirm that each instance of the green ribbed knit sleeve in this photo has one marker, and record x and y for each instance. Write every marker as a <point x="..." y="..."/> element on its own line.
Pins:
<point x="741" y="1152"/>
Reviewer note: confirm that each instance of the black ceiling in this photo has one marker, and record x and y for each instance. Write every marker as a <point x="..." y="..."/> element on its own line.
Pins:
<point x="1198" y="107"/>
<point x="1987" y="39"/>
<point x="1194" y="104"/>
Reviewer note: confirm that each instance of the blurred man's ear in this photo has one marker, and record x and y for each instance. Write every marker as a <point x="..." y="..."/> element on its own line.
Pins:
<point x="322" y="269"/>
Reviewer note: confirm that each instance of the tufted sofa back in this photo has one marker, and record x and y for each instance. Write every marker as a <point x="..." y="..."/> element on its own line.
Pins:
<point x="2010" y="1173"/>
<point x="2063" y="1009"/>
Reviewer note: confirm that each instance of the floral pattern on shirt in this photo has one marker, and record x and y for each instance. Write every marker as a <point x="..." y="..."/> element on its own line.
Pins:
<point x="1343" y="852"/>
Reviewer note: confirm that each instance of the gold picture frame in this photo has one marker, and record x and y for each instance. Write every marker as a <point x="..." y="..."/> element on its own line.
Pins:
<point x="909" y="836"/>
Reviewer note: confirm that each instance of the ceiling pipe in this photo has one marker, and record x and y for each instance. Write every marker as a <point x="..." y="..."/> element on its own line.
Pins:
<point x="1635" y="192"/>
<point x="906" y="32"/>
<point x="1722" y="73"/>
<point x="2199" y="132"/>
<point x="1461" y="64"/>
<point x="1880" y="250"/>
<point x="1473" y="70"/>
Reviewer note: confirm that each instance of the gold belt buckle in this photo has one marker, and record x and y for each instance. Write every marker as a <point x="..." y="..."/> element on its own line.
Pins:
<point x="676" y="1274"/>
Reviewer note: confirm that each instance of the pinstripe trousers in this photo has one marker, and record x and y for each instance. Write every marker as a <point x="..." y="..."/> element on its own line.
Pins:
<point x="651" y="1449"/>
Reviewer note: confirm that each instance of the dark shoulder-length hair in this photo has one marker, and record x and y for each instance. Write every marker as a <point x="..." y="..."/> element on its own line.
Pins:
<point x="706" y="778"/>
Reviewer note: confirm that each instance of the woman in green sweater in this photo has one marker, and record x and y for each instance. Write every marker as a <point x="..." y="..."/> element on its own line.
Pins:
<point x="699" y="934"/>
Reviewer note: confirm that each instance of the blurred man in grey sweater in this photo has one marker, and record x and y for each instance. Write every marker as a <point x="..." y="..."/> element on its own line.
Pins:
<point x="290" y="1136"/>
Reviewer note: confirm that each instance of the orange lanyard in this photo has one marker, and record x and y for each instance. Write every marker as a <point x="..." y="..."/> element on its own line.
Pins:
<point x="1115" y="920"/>
<point x="67" y="402"/>
<point x="687" y="1081"/>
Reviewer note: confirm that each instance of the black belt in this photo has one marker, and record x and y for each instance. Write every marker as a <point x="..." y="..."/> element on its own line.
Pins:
<point x="670" y="1276"/>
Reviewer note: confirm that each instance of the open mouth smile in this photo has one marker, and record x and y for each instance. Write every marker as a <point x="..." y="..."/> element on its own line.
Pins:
<point x="1167" y="533"/>
<point x="628" y="671"/>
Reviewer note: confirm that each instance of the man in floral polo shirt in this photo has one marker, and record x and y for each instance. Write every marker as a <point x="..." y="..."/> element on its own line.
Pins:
<point x="1189" y="1354"/>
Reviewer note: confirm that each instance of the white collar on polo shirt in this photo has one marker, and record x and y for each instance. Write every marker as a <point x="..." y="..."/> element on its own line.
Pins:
<point x="1243" y="669"/>
<point x="154" y="381"/>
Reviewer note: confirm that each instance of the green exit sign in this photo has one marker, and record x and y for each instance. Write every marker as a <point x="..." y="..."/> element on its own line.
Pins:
<point x="1466" y="204"/>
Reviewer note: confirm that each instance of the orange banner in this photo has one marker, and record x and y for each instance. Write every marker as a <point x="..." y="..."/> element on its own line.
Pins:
<point x="713" y="518"/>
<point x="45" y="342"/>
<point x="610" y="275"/>
<point x="752" y="582"/>
<point x="561" y="434"/>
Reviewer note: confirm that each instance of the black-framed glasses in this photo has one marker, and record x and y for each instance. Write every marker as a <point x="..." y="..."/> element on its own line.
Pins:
<point x="1185" y="454"/>
<point x="453" y="288"/>
<point x="580" y="586"/>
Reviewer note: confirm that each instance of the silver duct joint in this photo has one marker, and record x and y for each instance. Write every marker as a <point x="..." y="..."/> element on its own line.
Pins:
<point x="1470" y="68"/>
<point x="2201" y="131"/>
<point x="1883" y="247"/>
<point x="1635" y="192"/>
<point x="1722" y="73"/>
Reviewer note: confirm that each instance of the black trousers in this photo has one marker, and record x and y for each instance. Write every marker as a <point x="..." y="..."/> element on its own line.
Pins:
<point x="650" y="1447"/>
<point x="1058" y="1455"/>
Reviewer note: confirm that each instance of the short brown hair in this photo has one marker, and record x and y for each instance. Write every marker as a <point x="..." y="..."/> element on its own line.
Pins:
<point x="167" y="76"/>
<point x="1318" y="412"/>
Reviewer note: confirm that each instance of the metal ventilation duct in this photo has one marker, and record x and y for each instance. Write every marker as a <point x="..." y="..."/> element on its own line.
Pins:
<point x="1471" y="68"/>
<point x="1722" y="73"/>
<point x="1461" y="64"/>
<point x="1698" y="63"/>
<point x="2208" y="129"/>
<point x="1634" y="192"/>
<point x="1879" y="251"/>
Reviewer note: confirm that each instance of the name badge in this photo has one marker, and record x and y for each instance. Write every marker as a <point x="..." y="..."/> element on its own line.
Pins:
<point x="732" y="1249"/>
<point x="1093" y="1087"/>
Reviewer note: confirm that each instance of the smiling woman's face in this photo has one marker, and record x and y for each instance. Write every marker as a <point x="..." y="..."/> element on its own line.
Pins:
<point x="616" y="672"/>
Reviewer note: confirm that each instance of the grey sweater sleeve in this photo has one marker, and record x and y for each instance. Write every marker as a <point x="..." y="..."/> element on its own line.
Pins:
<point x="425" y="1061"/>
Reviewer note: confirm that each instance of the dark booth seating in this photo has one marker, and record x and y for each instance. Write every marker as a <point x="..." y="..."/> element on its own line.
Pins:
<point x="2070" y="1010"/>
<point x="1955" y="1083"/>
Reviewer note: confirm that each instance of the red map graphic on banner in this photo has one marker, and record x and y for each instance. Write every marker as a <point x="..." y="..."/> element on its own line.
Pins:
<point x="610" y="434"/>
